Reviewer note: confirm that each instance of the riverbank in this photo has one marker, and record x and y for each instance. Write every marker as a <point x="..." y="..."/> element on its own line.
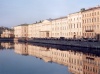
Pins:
<point x="66" y="42"/>
<point x="6" y="39"/>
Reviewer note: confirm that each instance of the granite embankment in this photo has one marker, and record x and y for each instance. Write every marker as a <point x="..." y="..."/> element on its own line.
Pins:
<point x="6" y="39"/>
<point x="76" y="43"/>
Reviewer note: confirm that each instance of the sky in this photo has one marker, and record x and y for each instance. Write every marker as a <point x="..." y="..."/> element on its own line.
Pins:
<point x="16" y="12"/>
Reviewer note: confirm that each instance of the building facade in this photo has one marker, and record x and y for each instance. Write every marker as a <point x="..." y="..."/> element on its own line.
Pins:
<point x="59" y="27"/>
<point x="82" y="24"/>
<point x="40" y="29"/>
<point x="8" y="33"/>
<point x="91" y="22"/>
<point x="21" y="31"/>
<point x="74" y="28"/>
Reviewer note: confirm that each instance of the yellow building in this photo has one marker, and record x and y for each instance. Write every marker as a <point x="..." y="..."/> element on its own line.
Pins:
<point x="59" y="27"/>
<point x="91" y="22"/>
<point x="21" y="31"/>
<point x="74" y="28"/>
<point x="40" y="29"/>
<point x="8" y="33"/>
<point x="82" y="24"/>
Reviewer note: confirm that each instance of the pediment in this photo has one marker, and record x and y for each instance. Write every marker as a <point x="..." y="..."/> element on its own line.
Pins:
<point x="46" y="21"/>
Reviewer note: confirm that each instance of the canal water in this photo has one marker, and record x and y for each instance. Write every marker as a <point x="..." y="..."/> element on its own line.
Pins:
<point x="23" y="58"/>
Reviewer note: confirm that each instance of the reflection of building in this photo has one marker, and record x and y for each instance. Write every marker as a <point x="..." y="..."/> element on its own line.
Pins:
<point x="7" y="45"/>
<point x="60" y="57"/>
<point x="77" y="62"/>
<point x="91" y="22"/>
<point x="40" y="52"/>
<point x="7" y="33"/>
<point x="67" y="58"/>
<point x="21" y="49"/>
<point x="91" y="64"/>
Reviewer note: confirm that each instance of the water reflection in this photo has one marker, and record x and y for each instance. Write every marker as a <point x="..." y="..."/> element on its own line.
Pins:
<point x="78" y="62"/>
<point x="6" y="45"/>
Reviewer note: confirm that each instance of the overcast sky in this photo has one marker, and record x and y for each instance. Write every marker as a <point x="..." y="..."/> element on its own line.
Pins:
<point x="15" y="12"/>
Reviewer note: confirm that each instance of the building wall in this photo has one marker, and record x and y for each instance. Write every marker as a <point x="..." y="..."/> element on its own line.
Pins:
<point x="91" y="22"/>
<point x="85" y="23"/>
<point x="7" y="33"/>
<point x="59" y="27"/>
<point x="24" y="31"/>
<point x="36" y="30"/>
<point x="74" y="28"/>
<point x="21" y="31"/>
<point x="40" y="30"/>
<point x="30" y="28"/>
<point x="45" y="30"/>
<point x="17" y="31"/>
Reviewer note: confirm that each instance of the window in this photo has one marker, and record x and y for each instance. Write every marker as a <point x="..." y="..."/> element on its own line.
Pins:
<point x="98" y="12"/>
<point x="98" y="19"/>
<point x="77" y="25"/>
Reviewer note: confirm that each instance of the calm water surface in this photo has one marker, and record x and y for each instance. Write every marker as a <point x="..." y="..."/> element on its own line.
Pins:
<point x="21" y="58"/>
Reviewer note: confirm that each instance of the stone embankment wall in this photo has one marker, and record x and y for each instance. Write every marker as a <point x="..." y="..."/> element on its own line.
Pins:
<point x="7" y="39"/>
<point x="68" y="43"/>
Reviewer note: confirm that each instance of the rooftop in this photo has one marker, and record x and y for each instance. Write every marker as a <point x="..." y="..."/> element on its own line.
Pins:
<point x="92" y="8"/>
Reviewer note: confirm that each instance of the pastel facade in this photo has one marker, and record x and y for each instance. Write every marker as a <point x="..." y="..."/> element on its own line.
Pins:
<point x="45" y="30"/>
<point x="59" y="27"/>
<point x="91" y="22"/>
<point x="82" y="24"/>
<point x="7" y="33"/>
<point x="74" y="28"/>
<point x="21" y="31"/>
<point x="40" y="29"/>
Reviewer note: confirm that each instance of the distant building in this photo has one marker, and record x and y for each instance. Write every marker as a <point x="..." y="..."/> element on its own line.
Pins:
<point x="7" y="33"/>
<point x="82" y="24"/>
<point x="21" y="31"/>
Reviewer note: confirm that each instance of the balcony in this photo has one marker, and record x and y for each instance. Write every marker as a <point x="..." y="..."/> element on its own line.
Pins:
<point x="89" y="30"/>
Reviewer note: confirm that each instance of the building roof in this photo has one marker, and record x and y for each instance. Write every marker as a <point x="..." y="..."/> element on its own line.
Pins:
<point x="74" y="13"/>
<point x="23" y="25"/>
<point x="49" y="19"/>
<point x="92" y="8"/>
<point x="60" y="18"/>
